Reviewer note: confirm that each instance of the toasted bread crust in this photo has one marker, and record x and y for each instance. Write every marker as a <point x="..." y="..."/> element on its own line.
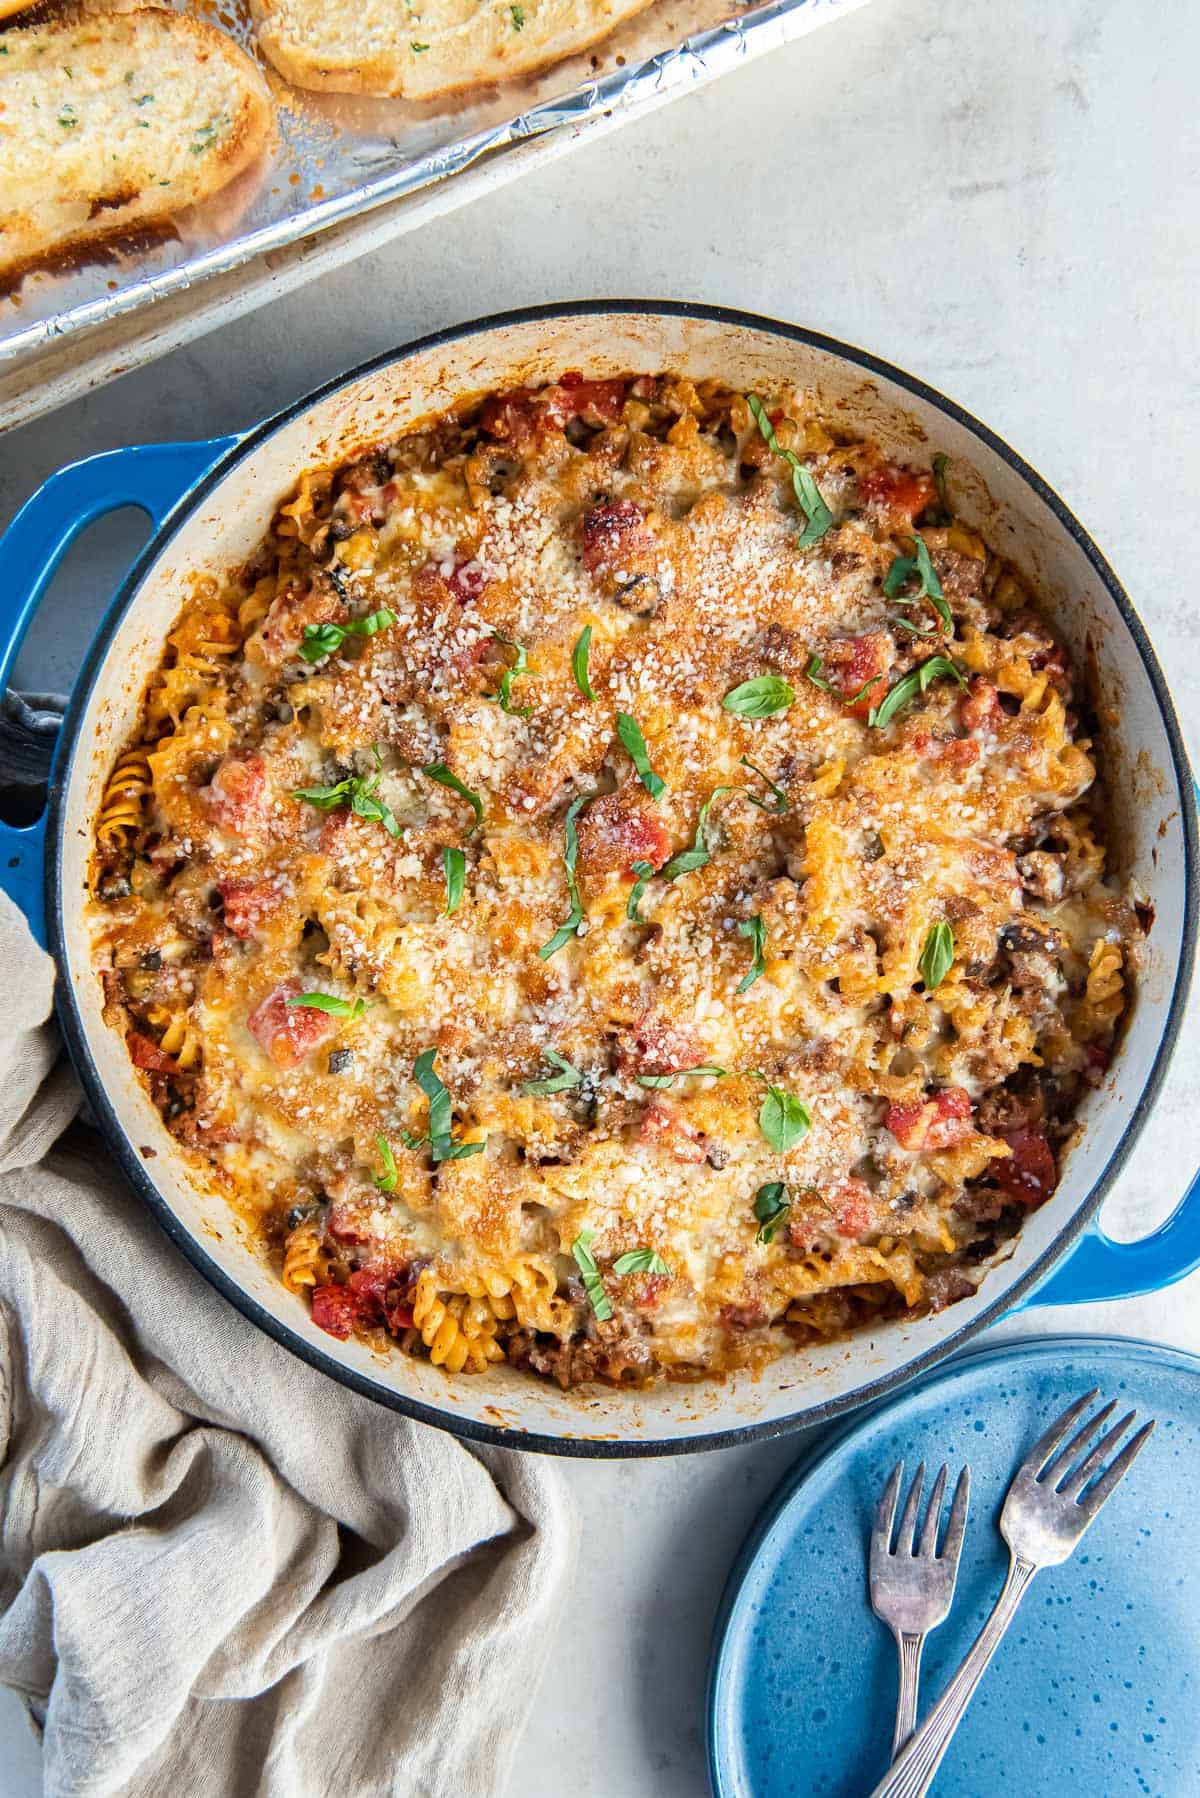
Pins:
<point x="125" y="188"/>
<point x="440" y="67"/>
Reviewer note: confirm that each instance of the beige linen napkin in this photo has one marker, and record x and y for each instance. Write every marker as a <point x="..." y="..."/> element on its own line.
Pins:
<point x="220" y="1572"/>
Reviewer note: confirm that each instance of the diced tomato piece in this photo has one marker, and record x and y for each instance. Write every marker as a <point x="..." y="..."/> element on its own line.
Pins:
<point x="339" y="1310"/>
<point x="288" y="1033"/>
<point x="615" y="538"/>
<point x="248" y="904"/>
<point x="853" y="662"/>
<point x="898" y="494"/>
<point x="743" y="1317"/>
<point x="955" y="752"/>
<point x="619" y="829"/>
<point x="662" y="1124"/>
<point x="938" y="1122"/>
<point x="980" y="708"/>
<point x="853" y="1207"/>
<point x="655" y="1046"/>
<point x="144" y="1052"/>
<point x="597" y="402"/>
<point x="238" y="796"/>
<point x="459" y="578"/>
<point x="647" y="1289"/>
<point x="509" y="417"/>
<point x="1029" y="1174"/>
<point x="347" y="1223"/>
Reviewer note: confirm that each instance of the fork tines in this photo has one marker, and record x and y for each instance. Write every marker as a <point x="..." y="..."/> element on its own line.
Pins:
<point x="905" y="1536"/>
<point x="1050" y="1464"/>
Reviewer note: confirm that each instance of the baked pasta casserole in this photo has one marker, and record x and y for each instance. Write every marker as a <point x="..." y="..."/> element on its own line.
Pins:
<point x="615" y="885"/>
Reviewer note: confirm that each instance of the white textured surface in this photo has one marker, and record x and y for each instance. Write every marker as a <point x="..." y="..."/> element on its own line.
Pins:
<point x="991" y="196"/>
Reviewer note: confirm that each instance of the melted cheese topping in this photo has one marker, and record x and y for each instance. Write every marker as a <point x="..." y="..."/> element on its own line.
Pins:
<point x="275" y="831"/>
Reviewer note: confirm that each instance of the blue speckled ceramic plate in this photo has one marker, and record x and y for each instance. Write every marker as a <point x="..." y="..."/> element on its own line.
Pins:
<point x="1095" y="1690"/>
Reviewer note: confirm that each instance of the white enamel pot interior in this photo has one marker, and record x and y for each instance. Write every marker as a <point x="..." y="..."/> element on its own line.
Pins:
<point x="226" y="516"/>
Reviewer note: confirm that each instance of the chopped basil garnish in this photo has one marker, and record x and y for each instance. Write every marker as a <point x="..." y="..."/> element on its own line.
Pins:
<point x="760" y="697"/>
<point x="518" y="17"/>
<point x="572" y="923"/>
<point x="658" y="1081"/>
<point x="438" y="771"/>
<point x="904" y="567"/>
<point x="777" y="792"/>
<point x="700" y="853"/>
<point x="579" y="662"/>
<point x="918" y="680"/>
<point x="418" y="49"/>
<point x="358" y="792"/>
<point x="756" y="930"/>
<point x="808" y="494"/>
<point x="337" y="1008"/>
<point x="640" y="1261"/>
<point x="914" y="630"/>
<point x="386" y="1181"/>
<point x="814" y="671"/>
<point x="783" y="1119"/>
<point x="454" y="864"/>
<point x="442" y="1146"/>
<point x="771" y="1206"/>
<point x="322" y="639"/>
<point x="566" y="1077"/>
<point x="593" y="1285"/>
<point x="937" y="956"/>
<point x="630" y="733"/>
<point x="644" y="872"/>
<point x="519" y="666"/>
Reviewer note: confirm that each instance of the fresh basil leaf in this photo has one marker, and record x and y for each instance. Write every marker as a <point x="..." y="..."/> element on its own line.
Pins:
<point x="322" y="639"/>
<point x="630" y="733"/>
<point x="700" y="853"/>
<point x="777" y="792"/>
<point x="914" y="630"/>
<point x="566" y="1077"/>
<point x="756" y="930"/>
<point x="386" y="1181"/>
<point x="454" y="864"/>
<point x="337" y="1008"/>
<point x="640" y="1261"/>
<point x="579" y="662"/>
<point x="783" y="1119"/>
<point x="518" y="17"/>
<point x="438" y="771"/>
<point x="593" y="1285"/>
<point x="761" y="697"/>
<point x="937" y="957"/>
<point x="917" y="680"/>
<point x="644" y="872"/>
<point x="658" y="1081"/>
<point x="919" y="564"/>
<point x="771" y="1206"/>
<point x="519" y="666"/>
<point x="808" y="495"/>
<point x="853" y="698"/>
<point x="814" y="672"/>
<point x="356" y="791"/>
<point x="575" y="918"/>
<point x="442" y="1146"/>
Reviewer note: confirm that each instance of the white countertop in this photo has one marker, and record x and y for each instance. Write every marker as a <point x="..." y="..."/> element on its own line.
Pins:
<point x="1000" y="198"/>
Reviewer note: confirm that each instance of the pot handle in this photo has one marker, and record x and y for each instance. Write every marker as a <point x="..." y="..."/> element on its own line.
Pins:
<point x="1100" y="1268"/>
<point x="154" y="477"/>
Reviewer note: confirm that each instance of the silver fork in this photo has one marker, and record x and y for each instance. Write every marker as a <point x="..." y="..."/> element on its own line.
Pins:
<point x="911" y="1588"/>
<point x="1049" y="1505"/>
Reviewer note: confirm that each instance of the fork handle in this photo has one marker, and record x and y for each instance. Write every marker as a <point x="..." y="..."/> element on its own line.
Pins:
<point x="909" y="1644"/>
<point x="912" y="1774"/>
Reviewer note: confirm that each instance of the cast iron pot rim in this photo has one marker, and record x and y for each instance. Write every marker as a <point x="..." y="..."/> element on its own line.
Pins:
<point x="134" y="1167"/>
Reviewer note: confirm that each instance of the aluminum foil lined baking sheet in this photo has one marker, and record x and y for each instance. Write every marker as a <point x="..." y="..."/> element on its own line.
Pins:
<point x="336" y="157"/>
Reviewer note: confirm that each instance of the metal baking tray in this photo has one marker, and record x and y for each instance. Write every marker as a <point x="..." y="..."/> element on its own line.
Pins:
<point x="337" y="158"/>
